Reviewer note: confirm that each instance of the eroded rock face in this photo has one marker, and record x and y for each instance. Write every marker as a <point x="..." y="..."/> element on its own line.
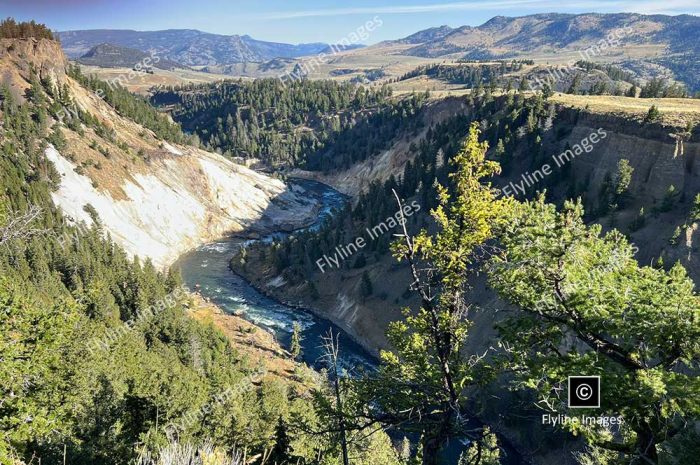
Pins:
<point x="660" y="156"/>
<point x="19" y="56"/>
<point x="664" y="159"/>
<point x="181" y="202"/>
<point x="155" y="199"/>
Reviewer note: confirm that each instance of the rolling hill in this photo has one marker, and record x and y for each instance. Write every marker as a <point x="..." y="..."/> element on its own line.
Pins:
<point x="546" y="33"/>
<point x="114" y="56"/>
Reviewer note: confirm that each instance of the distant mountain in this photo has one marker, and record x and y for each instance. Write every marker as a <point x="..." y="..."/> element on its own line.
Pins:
<point x="503" y="36"/>
<point x="114" y="56"/>
<point x="338" y="48"/>
<point x="427" y="35"/>
<point x="187" y="46"/>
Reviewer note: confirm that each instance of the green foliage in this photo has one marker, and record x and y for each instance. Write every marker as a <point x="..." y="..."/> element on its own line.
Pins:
<point x="613" y="72"/>
<point x="63" y="287"/>
<point x="695" y="212"/>
<point x="319" y="125"/>
<point x="640" y="325"/>
<point x="130" y="106"/>
<point x="669" y="199"/>
<point x="57" y="139"/>
<point x="421" y="382"/>
<point x="469" y="75"/>
<point x="652" y="115"/>
<point x="483" y="452"/>
<point x="683" y="449"/>
<point x="295" y="346"/>
<point x="575" y="84"/>
<point x="675" y="238"/>
<point x="623" y="177"/>
<point x="547" y="91"/>
<point x="296" y="256"/>
<point x="614" y="192"/>
<point x="660" y="88"/>
<point x="11" y="29"/>
<point x="177" y="453"/>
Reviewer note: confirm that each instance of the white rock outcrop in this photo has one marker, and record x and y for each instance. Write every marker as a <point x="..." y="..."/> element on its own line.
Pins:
<point x="182" y="202"/>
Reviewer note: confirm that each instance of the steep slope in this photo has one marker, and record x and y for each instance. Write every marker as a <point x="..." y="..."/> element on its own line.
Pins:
<point x="661" y="155"/>
<point x="156" y="199"/>
<point x="187" y="46"/>
<point x="102" y="362"/>
<point x="391" y="162"/>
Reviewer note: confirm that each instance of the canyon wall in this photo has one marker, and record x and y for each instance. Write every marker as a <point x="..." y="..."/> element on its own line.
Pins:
<point x="156" y="199"/>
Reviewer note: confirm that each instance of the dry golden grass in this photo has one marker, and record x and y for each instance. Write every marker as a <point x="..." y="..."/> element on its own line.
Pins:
<point x="142" y="83"/>
<point x="256" y="343"/>
<point x="674" y="111"/>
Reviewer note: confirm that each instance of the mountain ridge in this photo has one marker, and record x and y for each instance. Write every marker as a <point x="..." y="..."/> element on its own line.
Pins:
<point x="189" y="47"/>
<point x="156" y="198"/>
<point x="503" y="36"/>
<point x="113" y="56"/>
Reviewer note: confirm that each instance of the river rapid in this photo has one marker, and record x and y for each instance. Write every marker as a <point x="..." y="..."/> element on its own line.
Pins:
<point x="206" y="270"/>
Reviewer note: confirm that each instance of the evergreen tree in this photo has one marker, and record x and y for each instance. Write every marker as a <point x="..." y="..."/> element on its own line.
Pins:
<point x="623" y="178"/>
<point x="652" y="115"/>
<point x="282" y="449"/>
<point x="639" y="325"/>
<point x="295" y="346"/>
<point x="425" y="375"/>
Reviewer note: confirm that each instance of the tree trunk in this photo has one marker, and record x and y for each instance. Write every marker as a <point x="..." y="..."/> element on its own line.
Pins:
<point x="435" y="440"/>
<point x="646" y="448"/>
<point x="341" y="421"/>
<point x="431" y="450"/>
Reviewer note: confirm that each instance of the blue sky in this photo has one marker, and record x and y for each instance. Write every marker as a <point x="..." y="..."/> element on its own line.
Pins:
<point x="309" y="20"/>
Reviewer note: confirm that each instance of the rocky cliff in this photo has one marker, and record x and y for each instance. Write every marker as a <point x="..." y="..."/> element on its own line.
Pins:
<point x="156" y="199"/>
<point x="661" y="154"/>
<point x="665" y="179"/>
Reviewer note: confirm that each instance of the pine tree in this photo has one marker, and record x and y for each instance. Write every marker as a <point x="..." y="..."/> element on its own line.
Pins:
<point x="295" y="345"/>
<point x="427" y="372"/>
<point x="639" y="326"/>
<point x="652" y="115"/>
<point x="282" y="449"/>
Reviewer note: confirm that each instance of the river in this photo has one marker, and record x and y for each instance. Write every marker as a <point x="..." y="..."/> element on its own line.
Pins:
<point x="207" y="269"/>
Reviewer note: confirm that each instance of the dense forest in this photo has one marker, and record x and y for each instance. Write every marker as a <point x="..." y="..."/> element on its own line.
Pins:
<point x="469" y="75"/>
<point x="130" y="106"/>
<point x="686" y="68"/>
<point x="613" y="72"/>
<point x="318" y="125"/>
<point x="613" y="85"/>
<point x="100" y="362"/>
<point x="514" y="125"/>
<point x="157" y="384"/>
<point x="439" y="247"/>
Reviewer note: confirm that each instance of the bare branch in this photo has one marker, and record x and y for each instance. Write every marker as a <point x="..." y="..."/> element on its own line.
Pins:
<point x="20" y="226"/>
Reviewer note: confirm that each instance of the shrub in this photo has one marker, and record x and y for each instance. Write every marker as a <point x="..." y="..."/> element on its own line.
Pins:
<point x="652" y="115"/>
